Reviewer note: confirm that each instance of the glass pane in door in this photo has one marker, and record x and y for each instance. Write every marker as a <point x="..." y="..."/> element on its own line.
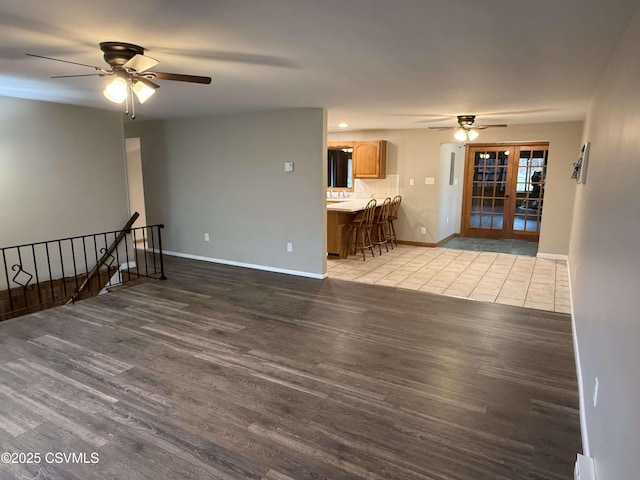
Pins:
<point x="532" y="171"/>
<point x="489" y="189"/>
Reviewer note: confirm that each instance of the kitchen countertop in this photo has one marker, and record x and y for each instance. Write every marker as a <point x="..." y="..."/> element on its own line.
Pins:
<point x="348" y="205"/>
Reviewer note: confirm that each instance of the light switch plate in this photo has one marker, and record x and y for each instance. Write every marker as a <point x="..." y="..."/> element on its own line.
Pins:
<point x="411" y="182"/>
<point x="288" y="166"/>
<point x="429" y="181"/>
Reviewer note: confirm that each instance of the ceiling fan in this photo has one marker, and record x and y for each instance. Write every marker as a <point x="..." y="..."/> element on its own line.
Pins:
<point x="131" y="70"/>
<point x="465" y="129"/>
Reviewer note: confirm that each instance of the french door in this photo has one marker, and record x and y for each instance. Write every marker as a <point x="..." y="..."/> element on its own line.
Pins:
<point x="504" y="190"/>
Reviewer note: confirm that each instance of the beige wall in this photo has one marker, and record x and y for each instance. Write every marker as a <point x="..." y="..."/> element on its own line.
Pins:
<point x="62" y="171"/>
<point x="416" y="154"/>
<point x="605" y="268"/>
<point x="225" y="176"/>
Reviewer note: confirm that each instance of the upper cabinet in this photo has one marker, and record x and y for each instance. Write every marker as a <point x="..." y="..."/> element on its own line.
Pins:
<point x="370" y="159"/>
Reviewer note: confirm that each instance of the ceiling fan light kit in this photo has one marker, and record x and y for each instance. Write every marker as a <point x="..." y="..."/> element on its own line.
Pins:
<point x="130" y="68"/>
<point x="466" y="131"/>
<point x="463" y="134"/>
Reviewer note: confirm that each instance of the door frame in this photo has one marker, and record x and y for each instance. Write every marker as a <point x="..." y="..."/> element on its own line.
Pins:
<point x="510" y="197"/>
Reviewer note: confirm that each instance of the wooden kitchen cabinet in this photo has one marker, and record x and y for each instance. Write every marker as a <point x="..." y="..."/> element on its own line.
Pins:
<point x="370" y="159"/>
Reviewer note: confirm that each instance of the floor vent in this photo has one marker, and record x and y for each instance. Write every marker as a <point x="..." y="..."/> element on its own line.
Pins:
<point x="584" y="469"/>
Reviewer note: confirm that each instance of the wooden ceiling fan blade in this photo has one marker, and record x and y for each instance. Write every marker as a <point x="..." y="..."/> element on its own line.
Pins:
<point x="482" y="127"/>
<point x="140" y="63"/>
<point x="65" y="61"/>
<point x="442" y="128"/>
<point x="180" y="78"/>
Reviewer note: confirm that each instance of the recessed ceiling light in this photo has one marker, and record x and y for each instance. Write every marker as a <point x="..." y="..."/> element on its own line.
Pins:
<point x="343" y="125"/>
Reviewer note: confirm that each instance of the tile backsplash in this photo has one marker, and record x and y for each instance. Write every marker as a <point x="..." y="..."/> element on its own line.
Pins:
<point x="379" y="188"/>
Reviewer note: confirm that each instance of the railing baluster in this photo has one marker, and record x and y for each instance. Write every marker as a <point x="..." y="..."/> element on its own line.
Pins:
<point x="126" y="253"/>
<point x="144" y="249"/>
<point x="115" y="237"/>
<point x="64" y="279"/>
<point x="35" y="268"/>
<point x="24" y="288"/>
<point x="75" y="268"/>
<point x="6" y="275"/>
<point x="95" y="248"/>
<point x="53" y="292"/>
<point x="162" y="277"/>
<point x="153" y="249"/>
<point x="135" y="251"/>
<point x="86" y="261"/>
<point x="106" y="243"/>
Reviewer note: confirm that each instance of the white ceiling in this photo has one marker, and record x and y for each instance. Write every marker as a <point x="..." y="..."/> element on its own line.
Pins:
<point x="371" y="63"/>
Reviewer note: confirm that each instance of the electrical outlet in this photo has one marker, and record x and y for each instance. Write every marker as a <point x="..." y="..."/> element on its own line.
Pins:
<point x="206" y="237"/>
<point x="423" y="230"/>
<point x="595" y="393"/>
<point x="289" y="247"/>
<point x="411" y="182"/>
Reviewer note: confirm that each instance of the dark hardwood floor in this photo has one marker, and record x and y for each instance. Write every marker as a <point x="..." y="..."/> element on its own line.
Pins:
<point x="227" y="373"/>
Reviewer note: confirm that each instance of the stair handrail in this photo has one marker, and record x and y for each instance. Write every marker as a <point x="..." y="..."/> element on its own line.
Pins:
<point x="106" y="256"/>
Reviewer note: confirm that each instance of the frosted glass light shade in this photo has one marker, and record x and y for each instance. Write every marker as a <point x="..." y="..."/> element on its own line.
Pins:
<point x="116" y="90"/>
<point x="143" y="91"/>
<point x="463" y="134"/>
<point x="460" y="135"/>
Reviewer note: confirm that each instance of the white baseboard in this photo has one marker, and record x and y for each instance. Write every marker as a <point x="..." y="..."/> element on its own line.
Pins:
<point x="247" y="265"/>
<point x="585" y="469"/>
<point x="552" y="256"/>
<point x="581" y="393"/>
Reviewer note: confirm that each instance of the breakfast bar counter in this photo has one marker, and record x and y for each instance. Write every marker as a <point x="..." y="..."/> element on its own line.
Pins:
<point x="341" y="212"/>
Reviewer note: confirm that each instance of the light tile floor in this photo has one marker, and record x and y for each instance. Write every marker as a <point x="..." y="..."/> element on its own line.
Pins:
<point x="518" y="280"/>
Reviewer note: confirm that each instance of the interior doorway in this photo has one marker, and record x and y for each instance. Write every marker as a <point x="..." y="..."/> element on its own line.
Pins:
<point x="504" y="190"/>
<point x="135" y="183"/>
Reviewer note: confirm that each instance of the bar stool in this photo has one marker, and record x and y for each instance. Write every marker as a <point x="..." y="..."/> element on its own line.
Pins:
<point x="381" y="224"/>
<point x="362" y="229"/>
<point x="393" y="215"/>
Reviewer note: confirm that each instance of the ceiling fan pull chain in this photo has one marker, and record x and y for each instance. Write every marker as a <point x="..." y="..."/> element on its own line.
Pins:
<point x="133" y="100"/>
<point x="126" y="104"/>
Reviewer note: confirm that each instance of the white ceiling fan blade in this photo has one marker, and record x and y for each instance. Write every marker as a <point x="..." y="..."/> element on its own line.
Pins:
<point x="140" y="63"/>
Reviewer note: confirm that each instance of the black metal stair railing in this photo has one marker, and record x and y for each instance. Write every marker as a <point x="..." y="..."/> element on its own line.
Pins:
<point x="34" y="276"/>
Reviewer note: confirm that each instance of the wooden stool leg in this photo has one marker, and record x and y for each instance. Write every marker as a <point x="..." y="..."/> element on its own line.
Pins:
<point x="393" y="232"/>
<point x="384" y="236"/>
<point x="370" y="243"/>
